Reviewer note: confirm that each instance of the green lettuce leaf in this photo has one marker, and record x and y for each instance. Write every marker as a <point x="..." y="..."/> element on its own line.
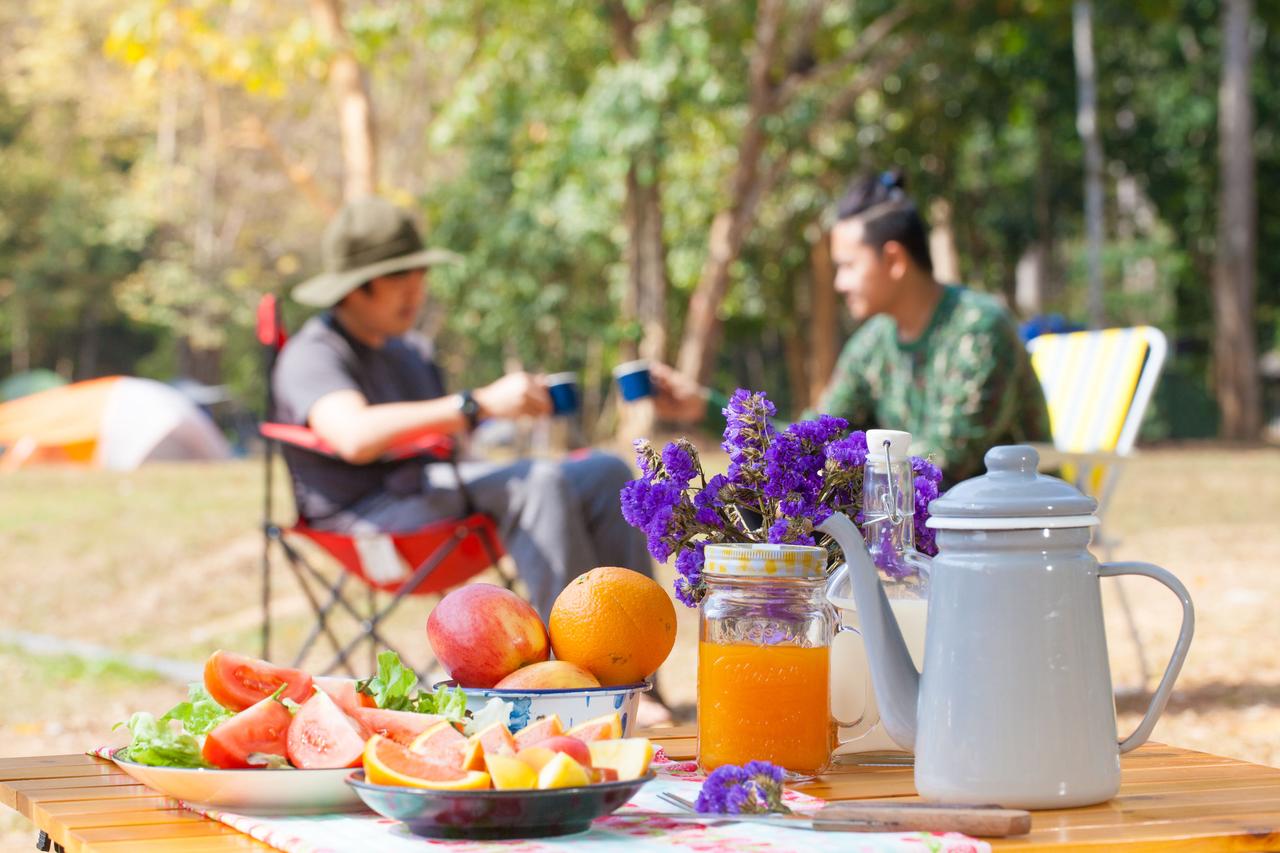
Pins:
<point x="200" y="714"/>
<point x="393" y="686"/>
<point x="159" y="744"/>
<point x="177" y="737"/>
<point x="448" y="702"/>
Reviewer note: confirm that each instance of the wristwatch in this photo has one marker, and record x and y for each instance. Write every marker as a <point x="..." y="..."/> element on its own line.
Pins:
<point x="469" y="408"/>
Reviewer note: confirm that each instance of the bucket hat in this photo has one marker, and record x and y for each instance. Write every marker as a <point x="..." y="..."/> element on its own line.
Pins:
<point x="369" y="237"/>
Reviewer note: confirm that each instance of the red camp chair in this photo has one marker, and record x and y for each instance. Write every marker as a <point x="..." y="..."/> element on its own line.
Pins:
<point x="434" y="559"/>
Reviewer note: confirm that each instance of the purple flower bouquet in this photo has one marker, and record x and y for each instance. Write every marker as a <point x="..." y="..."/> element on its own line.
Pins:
<point x="779" y="486"/>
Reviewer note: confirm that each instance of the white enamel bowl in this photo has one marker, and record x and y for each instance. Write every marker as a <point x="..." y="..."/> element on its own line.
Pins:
<point x="574" y="705"/>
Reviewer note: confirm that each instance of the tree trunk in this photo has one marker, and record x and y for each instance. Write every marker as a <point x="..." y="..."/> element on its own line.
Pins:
<point x="729" y="227"/>
<point x="646" y="258"/>
<point x="355" y="107"/>
<point x="942" y="242"/>
<point x="1087" y="126"/>
<point x="19" y="330"/>
<point x="1235" y="267"/>
<point x="824" y="346"/>
<point x="751" y="183"/>
<point x="645" y="302"/>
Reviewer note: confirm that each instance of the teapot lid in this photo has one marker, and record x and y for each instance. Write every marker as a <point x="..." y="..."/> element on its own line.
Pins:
<point x="1012" y="495"/>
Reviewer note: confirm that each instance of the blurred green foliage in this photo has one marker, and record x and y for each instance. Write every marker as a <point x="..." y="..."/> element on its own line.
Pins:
<point x="166" y="161"/>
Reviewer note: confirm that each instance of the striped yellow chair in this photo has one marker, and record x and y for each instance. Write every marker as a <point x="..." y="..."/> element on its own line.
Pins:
<point x="1098" y="385"/>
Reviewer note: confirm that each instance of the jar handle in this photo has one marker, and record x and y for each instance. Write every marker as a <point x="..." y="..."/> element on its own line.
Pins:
<point x="1161" y="697"/>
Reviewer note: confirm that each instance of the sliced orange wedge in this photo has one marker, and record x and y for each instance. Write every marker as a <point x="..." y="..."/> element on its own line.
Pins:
<point x="608" y="727"/>
<point x="630" y="757"/>
<point x="441" y="744"/>
<point x="389" y="763"/>
<point x="539" y="731"/>
<point x="508" y="772"/>
<point x="495" y="739"/>
<point x="562" y="772"/>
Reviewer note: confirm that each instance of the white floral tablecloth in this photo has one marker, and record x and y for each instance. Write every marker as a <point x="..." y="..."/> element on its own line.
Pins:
<point x="628" y="830"/>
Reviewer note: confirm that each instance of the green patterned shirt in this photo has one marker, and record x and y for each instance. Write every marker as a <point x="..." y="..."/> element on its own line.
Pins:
<point x="965" y="385"/>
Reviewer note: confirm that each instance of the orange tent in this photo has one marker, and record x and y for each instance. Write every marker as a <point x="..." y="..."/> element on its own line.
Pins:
<point x="116" y="422"/>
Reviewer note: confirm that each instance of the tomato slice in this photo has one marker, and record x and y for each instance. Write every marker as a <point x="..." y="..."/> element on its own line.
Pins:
<point x="343" y="692"/>
<point x="401" y="726"/>
<point x="322" y="736"/>
<point x="263" y="727"/>
<point x="238" y="681"/>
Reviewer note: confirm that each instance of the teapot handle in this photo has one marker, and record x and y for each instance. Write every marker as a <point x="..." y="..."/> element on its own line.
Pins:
<point x="1161" y="697"/>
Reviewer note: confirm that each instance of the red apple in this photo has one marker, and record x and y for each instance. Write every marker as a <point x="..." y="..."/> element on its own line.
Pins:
<point x="570" y="746"/>
<point x="482" y="633"/>
<point x="548" y="675"/>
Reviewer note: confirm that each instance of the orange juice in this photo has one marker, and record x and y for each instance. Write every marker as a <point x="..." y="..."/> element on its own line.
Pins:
<point x="766" y="703"/>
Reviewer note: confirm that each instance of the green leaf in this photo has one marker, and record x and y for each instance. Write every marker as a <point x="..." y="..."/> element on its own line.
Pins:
<point x="268" y="761"/>
<point x="448" y="702"/>
<point x="158" y="744"/>
<point x="393" y="686"/>
<point x="199" y="714"/>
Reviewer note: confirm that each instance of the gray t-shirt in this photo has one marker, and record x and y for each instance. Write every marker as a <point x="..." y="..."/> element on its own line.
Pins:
<point x="322" y="358"/>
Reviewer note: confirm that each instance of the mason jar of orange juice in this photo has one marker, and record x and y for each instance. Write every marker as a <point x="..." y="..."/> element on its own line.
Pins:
<point x="764" y="658"/>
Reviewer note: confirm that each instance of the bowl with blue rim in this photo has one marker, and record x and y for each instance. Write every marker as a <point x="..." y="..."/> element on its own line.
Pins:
<point x="574" y="705"/>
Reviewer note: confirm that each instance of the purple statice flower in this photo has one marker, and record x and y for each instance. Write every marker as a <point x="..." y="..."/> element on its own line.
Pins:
<point x="888" y="560"/>
<point x="678" y="463"/>
<point x="794" y="464"/>
<point x="689" y="584"/>
<point x="796" y="530"/>
<point x="651" y="506"/>
<point x="842" y="474"/>
<point x="747" y="434"/>
<point x="928" y="482"/>
<point x="647" y="458"/>
<point x="755" y="788"/>
<point x="850" y="451"/>
<point x="708" y="504"/>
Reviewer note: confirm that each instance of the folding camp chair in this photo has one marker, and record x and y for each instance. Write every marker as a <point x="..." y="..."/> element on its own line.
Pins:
<point x="429" y="561"/>
<point x="1097" y="385"/>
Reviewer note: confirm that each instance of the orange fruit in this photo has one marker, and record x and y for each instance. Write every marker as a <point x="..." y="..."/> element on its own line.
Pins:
<point x="510" y="773"/>
<point x="615" y="623"/>
<point x="441" y="744"/>
<point x="536" y="756"/>
<point x="388" y="763"/>
<point x="495" y="739"/>
<point x="629" y="757"/>
<point x="562" y="772"/>
<point x="608" y="727"/>
<point x="539" y="731"/>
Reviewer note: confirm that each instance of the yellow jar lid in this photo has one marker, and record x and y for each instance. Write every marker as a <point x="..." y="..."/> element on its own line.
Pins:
<point x="751" y="560"/>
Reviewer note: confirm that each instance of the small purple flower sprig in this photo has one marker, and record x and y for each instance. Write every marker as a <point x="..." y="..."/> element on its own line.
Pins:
<point x="779" y="486"/>
<point x="755" y="788"/>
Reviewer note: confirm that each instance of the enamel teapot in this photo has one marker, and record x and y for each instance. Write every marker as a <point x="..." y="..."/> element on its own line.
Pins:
<point x="1015" y="703"/>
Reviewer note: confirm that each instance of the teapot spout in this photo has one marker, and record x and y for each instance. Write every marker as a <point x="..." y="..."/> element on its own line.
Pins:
<point x="893" y="675"/>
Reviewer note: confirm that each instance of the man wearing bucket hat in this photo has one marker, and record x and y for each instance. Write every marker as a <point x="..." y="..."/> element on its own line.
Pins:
<point x="360" y="378"/>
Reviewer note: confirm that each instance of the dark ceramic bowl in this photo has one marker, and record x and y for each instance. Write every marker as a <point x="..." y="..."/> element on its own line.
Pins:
<point x="496" y="814"/>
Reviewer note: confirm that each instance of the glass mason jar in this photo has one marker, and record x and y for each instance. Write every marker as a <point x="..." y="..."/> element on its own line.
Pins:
<point x="765" y="632"/>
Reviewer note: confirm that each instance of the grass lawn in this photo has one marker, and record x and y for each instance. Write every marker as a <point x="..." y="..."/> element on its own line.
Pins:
<point x="165" y="561"/>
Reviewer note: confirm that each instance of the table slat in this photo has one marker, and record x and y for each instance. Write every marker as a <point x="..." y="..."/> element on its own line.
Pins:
<point x="214" y="844"/>
<point x="26" y="799"/>
<point x="67" y="824"/>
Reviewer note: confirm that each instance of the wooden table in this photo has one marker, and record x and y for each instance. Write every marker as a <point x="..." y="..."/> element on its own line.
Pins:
<point x="1171" y="799"/>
